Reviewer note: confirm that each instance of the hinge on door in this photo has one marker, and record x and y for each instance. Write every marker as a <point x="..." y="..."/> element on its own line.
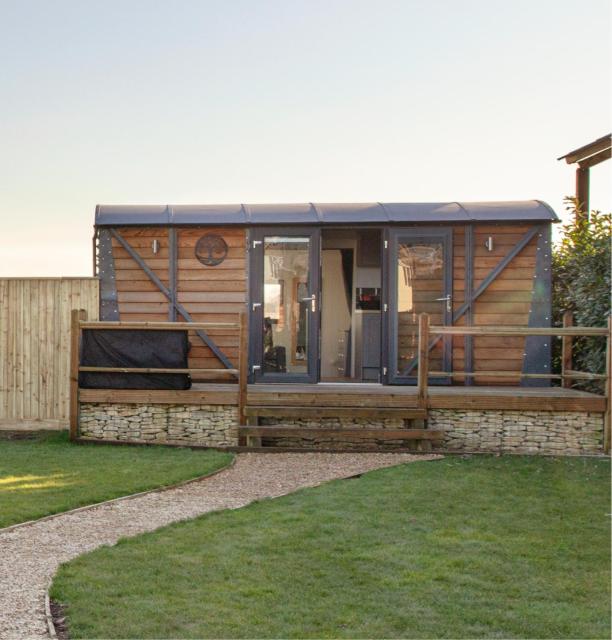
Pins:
<point x="386" y="244"/>
<point x="384" y="371"/>
<point x="385" y="307"/>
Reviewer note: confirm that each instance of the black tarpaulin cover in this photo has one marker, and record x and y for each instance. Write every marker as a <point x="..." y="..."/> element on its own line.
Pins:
<point x="134" y="348"/>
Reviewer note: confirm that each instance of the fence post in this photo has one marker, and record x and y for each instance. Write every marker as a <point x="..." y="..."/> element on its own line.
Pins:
<point x="566" y="350"/>
<point x="243" y="368"/>
<point x="608" y="382"/>
<point x="76" y="315"/>
<point x="423" y="361"/>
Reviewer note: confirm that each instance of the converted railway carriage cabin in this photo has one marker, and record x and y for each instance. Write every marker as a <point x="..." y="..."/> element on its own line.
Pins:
<point x="344" y="325"/>
<point x="334" y="291"/>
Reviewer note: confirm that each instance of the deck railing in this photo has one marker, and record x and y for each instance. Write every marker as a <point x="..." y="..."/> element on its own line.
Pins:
<point x="567" y="332"/>
<point x="79" y="322"/>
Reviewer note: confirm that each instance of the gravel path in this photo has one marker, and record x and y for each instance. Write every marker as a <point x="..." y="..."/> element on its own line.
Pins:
<point x="30" y="555"/>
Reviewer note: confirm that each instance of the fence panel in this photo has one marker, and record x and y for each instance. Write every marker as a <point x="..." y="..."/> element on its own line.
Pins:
<point x="35" y="345"/>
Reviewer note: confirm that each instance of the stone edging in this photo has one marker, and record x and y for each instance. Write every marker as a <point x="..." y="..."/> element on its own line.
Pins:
<point x="52" y="516"/>
<point x="49" y="618"/>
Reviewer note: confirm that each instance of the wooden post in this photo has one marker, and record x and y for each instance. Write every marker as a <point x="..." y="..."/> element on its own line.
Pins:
<point x="582" y="194"/>
<point x="76" y="316"/>
<point x="608" y="382"/>
<point x="566" y="350"/>
<point x="423" y="362"/>
<point x="243" y="368"/>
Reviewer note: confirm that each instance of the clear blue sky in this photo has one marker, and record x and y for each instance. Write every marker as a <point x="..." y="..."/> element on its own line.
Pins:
<point x="125" y="101"/>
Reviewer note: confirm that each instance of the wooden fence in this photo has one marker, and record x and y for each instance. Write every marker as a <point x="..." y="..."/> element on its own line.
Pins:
<point x="567" y="372"/>
<point x="79" y="322"/>
<point x="35" y="346"/>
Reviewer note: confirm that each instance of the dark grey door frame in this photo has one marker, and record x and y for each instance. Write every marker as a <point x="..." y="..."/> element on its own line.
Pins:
<point x="256" y="271"/>
<point x="392" y="239"/>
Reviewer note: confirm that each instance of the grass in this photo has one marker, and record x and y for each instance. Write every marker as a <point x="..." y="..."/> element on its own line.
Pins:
<point x="49" y="474"/>
<point x="477" y="547"/>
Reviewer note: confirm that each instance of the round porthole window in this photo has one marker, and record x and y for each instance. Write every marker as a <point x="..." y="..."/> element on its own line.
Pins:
<point x="211" y="250"/>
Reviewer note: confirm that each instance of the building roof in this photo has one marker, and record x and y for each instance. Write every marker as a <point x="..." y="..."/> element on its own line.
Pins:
<point x="311" y="213"/>
<point x="592" y="153"/>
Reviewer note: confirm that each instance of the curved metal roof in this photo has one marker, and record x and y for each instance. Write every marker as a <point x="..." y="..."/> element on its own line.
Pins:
<point x="311" y="213"/>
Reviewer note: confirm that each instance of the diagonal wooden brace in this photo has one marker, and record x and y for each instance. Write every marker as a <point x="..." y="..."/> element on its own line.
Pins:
<point x="171" y="298"/>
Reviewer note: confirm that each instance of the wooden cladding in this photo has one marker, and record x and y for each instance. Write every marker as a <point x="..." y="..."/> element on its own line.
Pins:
<point x="214" y="294"/>
<point x="35" y="344"/>
<point x="506" y="301"/>
<point x="208" y="294"/>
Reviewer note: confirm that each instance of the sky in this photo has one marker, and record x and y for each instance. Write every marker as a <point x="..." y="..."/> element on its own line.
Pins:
<point x="198" y="101"/>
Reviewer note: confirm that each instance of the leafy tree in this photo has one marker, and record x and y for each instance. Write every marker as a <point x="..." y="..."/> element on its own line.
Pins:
<point x="582" y="282"/>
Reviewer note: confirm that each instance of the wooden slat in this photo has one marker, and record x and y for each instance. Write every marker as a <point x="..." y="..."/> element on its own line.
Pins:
<point x="311" y="432"/>
<point x="608" y="415"/>
<point x="209" y="372"/>
<point x="495" y="402"/>
<point x="332" y="412"/>
<point x="423" y="360"/>
<point x="243" y="366"/>
<point x="160" y="326"/>
<point x="566" y="349"/>
<point x="75" y="338"/>
<point x="518" y="331"/>
<point x="138" y="396"/>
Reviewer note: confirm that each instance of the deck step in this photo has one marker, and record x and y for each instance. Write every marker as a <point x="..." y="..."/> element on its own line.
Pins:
<point x="279" y="431"/>
<point x="273" y="411"/>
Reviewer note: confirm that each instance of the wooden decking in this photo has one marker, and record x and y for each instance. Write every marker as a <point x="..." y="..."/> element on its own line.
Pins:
<point x="363" y="396"/>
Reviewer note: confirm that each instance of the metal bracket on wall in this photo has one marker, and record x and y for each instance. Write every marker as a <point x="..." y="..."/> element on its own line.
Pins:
<point x="177" y="305"/>
<point x="109" y="306"/>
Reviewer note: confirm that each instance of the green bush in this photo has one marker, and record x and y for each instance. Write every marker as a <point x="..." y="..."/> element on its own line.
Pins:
<point x="581" y="282"/>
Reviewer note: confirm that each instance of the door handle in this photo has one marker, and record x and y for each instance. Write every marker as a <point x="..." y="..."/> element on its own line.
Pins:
<point x="449" y="302"/>
<point x="313" y="301"/>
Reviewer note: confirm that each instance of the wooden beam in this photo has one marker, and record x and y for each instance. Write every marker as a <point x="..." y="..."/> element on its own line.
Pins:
<point x="179" y="307"/>
<point x="313" y="432"/>
<point x="518" y="331"/>
<point x="160" y="396"/>
<point x="335" y="412"/>
<point x="243" y="367"/>
<point x="160" y="326"/>
<point x="172" y="272"/>
<point x="595" y="159"/>
<point x="211" y="372"/>
<point x="76" y="315"/>
<point x="566" y="350"/>
<point x="582" y="194"/>
<point x="423" y="363"/>
<point x="608" y="414"/>
<point x="468" y="341"/>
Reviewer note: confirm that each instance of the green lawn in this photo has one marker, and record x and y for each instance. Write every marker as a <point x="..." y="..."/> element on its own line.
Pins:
<point x="49" y="474"/>
<point x="477" y="547"/>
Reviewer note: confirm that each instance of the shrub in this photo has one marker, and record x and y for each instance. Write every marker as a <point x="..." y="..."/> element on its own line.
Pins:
<point x="581" y="282"/>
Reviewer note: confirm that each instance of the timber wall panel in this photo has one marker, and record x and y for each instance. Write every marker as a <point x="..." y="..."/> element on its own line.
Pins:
<point x="209" y="294"/>
<point x="35" y="344"/>
<point x="506" y="301"/>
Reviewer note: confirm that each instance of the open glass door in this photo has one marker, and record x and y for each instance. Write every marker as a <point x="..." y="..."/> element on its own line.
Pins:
<point x="284" y="304"/>
<point x="420" y="281"/>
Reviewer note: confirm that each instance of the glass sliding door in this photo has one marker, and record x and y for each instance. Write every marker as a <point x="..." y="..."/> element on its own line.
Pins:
<point x="420" y="277"/>
<point x="284" y="305"/>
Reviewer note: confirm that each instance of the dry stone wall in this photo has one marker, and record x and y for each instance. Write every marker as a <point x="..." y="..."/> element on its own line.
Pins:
<point x="543" y="432"/>
<point x="210" y="425"/>
<point x="487" y="431"/>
